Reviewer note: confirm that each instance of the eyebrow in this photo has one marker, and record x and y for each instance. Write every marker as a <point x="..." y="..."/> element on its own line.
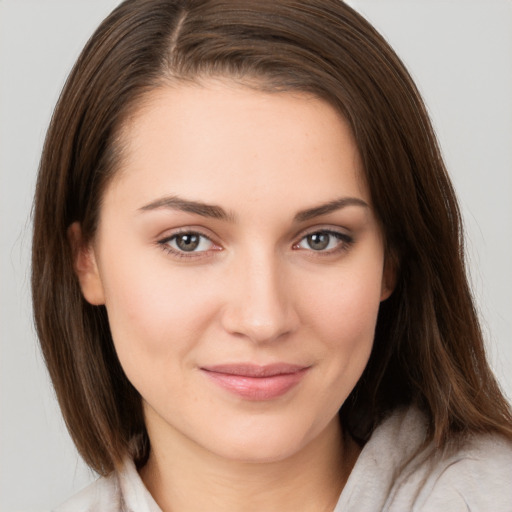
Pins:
<point x="217" y="212"/>
<point x="329" y="207"/>
<point x="184" y="205"/>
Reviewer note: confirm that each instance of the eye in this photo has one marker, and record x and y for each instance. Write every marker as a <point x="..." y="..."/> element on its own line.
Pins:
<point x="187" y="242"/>
<point x="324" y="241"/>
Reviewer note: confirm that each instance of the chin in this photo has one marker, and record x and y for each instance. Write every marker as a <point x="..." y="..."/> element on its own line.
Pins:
<point x="259" y="452"/>
<point x="262" y="443"/>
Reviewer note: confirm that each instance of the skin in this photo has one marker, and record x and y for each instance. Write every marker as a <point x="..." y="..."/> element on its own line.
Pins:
<point x="255" y="290"/>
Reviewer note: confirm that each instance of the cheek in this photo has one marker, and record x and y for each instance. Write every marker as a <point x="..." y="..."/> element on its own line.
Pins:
<point x="343" y="314"/>
<point x="157" y="317"/>
<point x="345" y="305"/>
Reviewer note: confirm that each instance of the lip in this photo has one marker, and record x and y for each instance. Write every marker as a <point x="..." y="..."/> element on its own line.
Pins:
<point x="256" y="382"/>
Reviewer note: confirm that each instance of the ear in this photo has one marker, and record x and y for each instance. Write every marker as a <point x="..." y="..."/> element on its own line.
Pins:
<point x="85" y="266"/>
<point x="389" y="275"/>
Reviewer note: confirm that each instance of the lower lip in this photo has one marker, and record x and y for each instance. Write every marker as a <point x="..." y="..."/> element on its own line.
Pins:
<point x="257" y="388"/>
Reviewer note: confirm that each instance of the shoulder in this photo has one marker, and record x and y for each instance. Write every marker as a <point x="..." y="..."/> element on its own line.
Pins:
<point x="121" y="491"/>
<point x="393" y="473"/>
<point x="475" y="478"/>
<point x="102" y="495"/>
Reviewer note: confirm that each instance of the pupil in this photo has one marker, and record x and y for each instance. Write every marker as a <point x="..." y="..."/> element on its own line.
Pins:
<point x="318" y="241"/>
<point x="187" y="242"/>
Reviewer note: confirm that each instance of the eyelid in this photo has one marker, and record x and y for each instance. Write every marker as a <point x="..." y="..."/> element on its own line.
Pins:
<point x="323" y="228"/>
<point x="345" y="239"/>
<point x="163" y="243"/>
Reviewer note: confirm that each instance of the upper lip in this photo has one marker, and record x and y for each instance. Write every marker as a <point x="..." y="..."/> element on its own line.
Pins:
<point x="254" y="370"/>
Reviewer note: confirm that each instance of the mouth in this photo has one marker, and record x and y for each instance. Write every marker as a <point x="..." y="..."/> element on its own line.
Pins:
<point x="255" y="382"/>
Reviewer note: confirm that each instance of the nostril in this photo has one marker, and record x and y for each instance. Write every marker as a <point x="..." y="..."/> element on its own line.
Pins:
<point x="258" y="321"/>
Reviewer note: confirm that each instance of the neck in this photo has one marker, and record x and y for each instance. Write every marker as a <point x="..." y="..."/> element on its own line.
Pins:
<point x="182" y="477"/>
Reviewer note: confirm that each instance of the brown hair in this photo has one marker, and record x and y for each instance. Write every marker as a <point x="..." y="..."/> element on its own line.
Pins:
<point x="428" y="347"/>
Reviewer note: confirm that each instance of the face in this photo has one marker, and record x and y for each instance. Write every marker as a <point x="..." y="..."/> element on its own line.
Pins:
<point x="241" y="266"/>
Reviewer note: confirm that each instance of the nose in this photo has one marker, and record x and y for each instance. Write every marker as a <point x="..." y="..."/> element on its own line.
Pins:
<point x="260" y="306"/>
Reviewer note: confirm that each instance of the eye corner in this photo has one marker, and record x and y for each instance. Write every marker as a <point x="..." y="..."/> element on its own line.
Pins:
<point x="333" y="242"/>
<point x="188" y="243"/>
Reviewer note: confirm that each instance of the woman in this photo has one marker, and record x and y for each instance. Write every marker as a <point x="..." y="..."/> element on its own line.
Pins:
<point x="247" y="271"/>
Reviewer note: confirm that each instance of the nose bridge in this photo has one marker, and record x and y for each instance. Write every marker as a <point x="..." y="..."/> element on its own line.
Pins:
<point x="260" y="307"/>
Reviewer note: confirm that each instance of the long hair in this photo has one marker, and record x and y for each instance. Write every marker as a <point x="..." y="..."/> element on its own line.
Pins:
<point x="428" y="348"/>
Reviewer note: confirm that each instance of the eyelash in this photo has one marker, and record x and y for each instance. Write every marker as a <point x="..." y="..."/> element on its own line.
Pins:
<point x="345" y="241"/>
<point x="164" y="243"/>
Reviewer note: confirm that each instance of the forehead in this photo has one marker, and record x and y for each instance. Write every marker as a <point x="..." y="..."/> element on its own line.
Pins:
<point x="220" y="141"/>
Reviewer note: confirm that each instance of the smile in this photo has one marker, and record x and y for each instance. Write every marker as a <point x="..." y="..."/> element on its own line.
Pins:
<point x="257" y="383"/>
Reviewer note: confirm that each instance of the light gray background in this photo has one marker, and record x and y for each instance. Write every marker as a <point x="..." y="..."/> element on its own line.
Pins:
<point x="460" y="53"/>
